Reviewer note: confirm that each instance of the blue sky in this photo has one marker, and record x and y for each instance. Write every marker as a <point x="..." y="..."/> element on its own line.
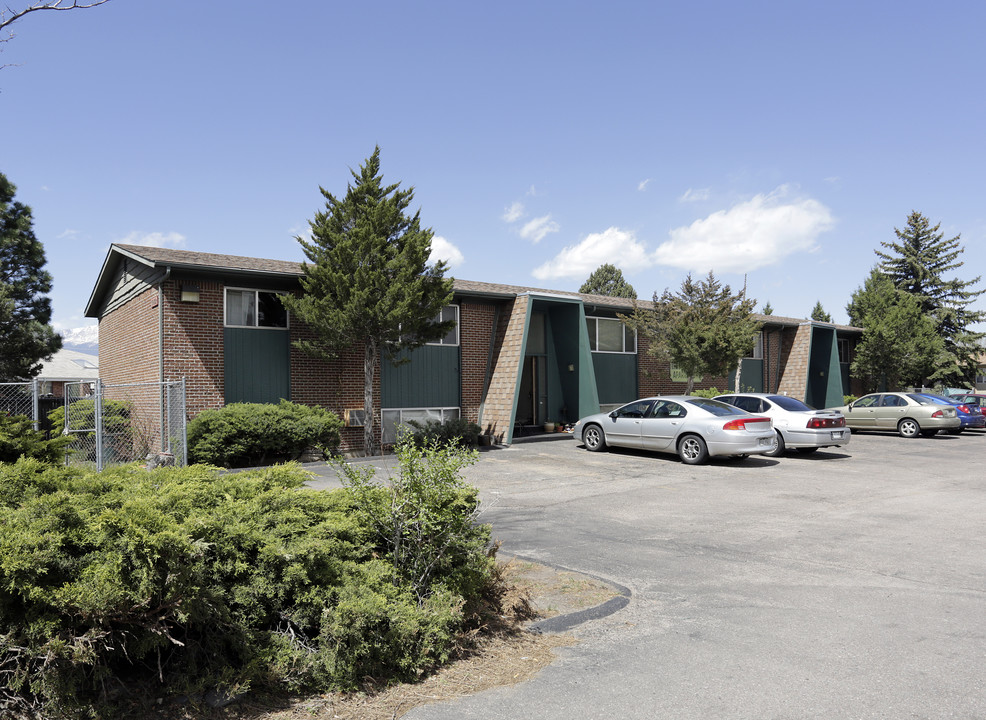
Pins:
<point x="782" y="141"/>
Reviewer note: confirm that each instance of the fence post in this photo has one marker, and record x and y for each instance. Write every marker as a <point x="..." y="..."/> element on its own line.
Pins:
<point x="35" y="410"/>
<point x="97" y="406"/>
<point x="184" y="425"/>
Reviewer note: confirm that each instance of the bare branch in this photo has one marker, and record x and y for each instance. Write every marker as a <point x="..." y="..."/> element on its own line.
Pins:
<point x="9" y="16"/>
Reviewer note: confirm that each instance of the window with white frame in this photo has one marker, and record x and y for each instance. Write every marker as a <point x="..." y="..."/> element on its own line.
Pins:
<point x="757" y="352"/>
<point x="449" y="312"/>
<point x="393" y="420"/>
<point x="255" y="308"/>
<point x="610" y="335"/>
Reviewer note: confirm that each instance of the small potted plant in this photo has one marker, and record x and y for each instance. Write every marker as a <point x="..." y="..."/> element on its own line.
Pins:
<point x="549" y="426"/>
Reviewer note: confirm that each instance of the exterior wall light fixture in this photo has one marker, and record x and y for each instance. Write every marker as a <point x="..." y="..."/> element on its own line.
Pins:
<point x="189" y="293"/>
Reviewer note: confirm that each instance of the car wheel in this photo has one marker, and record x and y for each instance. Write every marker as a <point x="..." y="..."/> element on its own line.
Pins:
<point x="692" y="450"/>
<point x="593" y="438"/>
<point x="779" y="447"/>
<point x="908" y="428"/>
<point x="806" y="451"/>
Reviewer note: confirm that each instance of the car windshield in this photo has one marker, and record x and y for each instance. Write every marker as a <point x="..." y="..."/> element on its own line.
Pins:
<point x="789" y="403"/>
<point x="715" y="407"/>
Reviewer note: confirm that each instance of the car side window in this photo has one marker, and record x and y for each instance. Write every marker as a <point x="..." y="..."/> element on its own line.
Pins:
<point x="893" y="401"/>
<point x="635" y="410"/>
<point x="867" y="401"/>
<point x="665" y="409"/>
<point x="751" y="405"/>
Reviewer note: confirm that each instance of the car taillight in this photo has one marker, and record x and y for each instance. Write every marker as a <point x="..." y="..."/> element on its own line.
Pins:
<point x="819" y="423"/>
<point x="937" y="414"/>
<point x="964" y="409"/>
<point x="741" y="423"/>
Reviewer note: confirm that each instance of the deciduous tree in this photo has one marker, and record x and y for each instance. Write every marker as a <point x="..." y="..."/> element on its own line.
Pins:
<point x="704" y="328"/>
<point x="26" y="336"/>
<point x="9" y="15"/>
<point x="367" y="281"/>
<point x="608" y="280"/>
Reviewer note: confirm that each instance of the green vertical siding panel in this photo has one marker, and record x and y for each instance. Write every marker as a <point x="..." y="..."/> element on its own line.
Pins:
<point x="751" y="376"/>
<point x="616" y="377"/>
<point x="257" y="365"/>
<point x="430" y="378"/>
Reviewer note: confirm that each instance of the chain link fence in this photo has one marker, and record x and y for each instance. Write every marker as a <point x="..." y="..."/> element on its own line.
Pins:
<point x="109" y="424"/>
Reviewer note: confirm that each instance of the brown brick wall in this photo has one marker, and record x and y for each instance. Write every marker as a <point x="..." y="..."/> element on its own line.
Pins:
<point x="193" y="342"/>
<point x="129" y="342"/>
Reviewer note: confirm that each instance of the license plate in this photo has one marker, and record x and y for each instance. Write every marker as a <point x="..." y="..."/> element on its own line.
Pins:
<point x="837" y="435"/>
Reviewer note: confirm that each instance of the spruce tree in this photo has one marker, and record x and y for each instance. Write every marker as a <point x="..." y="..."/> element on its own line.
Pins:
<point x="921" y="263"/>
<point x="818" y="313"/>
<point x="608" y="280"/>
<point x="367" y="281"/>
<point x="703" y="328"/>
<point x="26" y="336"/>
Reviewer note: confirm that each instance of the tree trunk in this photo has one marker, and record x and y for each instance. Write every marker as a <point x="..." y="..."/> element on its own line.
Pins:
<point x="370" y="353"/>
<point x="690" y="386"/>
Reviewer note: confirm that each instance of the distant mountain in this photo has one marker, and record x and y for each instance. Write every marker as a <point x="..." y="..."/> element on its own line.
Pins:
<point x="83" y="339"/>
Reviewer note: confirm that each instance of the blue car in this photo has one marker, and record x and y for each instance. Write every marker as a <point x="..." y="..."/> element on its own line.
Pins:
<point x="969" y="415"/>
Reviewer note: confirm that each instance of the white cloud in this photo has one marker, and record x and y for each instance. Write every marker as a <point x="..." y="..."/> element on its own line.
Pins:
<point x="759" y="232"/>
<point x="642" y="185"/>
<point x="614" y="246"/>
<point x="159" y="240"/>
<point x="538" y="228"/>
<point x="514" y="213"/>
<point x="442" y="249"/>
<point x="695" y="195"/>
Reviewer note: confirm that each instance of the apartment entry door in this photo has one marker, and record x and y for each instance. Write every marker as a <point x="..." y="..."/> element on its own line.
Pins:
<point x="533" y="402"/>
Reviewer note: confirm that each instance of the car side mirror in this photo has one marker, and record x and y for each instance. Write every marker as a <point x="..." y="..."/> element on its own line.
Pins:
<point x="613" y="415"/>
<point x="850" y="406"/>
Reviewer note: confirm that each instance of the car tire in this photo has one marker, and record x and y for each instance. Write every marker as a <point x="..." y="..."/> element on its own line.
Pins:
<point x="692" y="450"/>
<point x="779" y="448"/>
<point x="593" y="438"/>
<point x="908" y="428"/>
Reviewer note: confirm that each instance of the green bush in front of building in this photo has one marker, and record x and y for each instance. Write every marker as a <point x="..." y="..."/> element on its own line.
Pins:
<point x="177" y="581"/>
<point x="252" y="434"/>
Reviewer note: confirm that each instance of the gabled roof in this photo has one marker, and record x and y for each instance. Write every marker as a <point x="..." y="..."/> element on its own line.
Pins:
<point x="217" y="264"/>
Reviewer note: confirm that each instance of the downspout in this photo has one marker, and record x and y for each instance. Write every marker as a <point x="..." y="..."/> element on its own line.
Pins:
<point x="160" y="347"/>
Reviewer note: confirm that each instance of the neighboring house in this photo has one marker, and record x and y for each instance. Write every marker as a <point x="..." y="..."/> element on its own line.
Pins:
<point x="518" y="357"/>
<point x="67" y="366"/>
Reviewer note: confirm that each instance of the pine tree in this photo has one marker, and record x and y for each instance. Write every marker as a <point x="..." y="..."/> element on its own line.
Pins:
<point x="608" y="280"/>
<point x="703" y="328"/>
<point x="818" y="313"/>
<point x="767" y="309"/>
<point x="918" y="264"/>
<point x="900" y="344"/>
<point x="26" y="335"/>
<point x="367" y="280"/>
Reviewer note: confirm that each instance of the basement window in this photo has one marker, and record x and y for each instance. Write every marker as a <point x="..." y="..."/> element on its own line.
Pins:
<point x="255" y="308"/>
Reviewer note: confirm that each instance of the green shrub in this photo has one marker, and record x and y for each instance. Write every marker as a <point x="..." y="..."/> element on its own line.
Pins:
<point x="18" y="438"/>
<point x="249" y="434"/>
<point x="708" y="393"/>
<point x="846" y="399"/>
<point x="126" y="435"/>
<point x="179" y="580"/>
<point x="456" y="431"/>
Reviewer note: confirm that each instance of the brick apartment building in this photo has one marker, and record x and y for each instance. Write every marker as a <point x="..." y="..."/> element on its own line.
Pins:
<point x="517" y="358"/>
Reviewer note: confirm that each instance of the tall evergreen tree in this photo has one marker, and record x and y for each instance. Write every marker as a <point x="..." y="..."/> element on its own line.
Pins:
<point x="900" y="344"/>
<point x="818" y="313"/>
<point x="921" y="263"/>
<point x="367" y="281"/>
<point x="767" y="309"/>
<point x="26" y="336"/>
<point x="608" y="280"/>
<point x="703" y="328"/>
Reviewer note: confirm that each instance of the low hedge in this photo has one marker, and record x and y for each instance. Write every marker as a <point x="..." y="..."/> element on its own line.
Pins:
<point x="250" y="434"/>
<point x="18" y="438"/>
<point x="178" y="581"/>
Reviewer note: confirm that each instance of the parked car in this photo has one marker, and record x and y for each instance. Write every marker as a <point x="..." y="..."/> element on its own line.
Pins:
<point x="969" y="415"/>
<point x="910" y="414"/>
<point x="798" y="426"/>
<point x="695" y="428"/>
<point x="977" y="399"/>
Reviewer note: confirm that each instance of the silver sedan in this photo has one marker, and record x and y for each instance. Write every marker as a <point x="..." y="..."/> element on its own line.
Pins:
<point x="695" y="428"/>
<point x="798" y="426"/>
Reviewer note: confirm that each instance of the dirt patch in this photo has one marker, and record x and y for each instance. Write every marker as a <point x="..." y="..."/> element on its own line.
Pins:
<point x="507" y="656"/>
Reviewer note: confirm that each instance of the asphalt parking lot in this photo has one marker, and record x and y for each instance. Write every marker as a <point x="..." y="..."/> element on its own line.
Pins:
<point x="845" y="584"/>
